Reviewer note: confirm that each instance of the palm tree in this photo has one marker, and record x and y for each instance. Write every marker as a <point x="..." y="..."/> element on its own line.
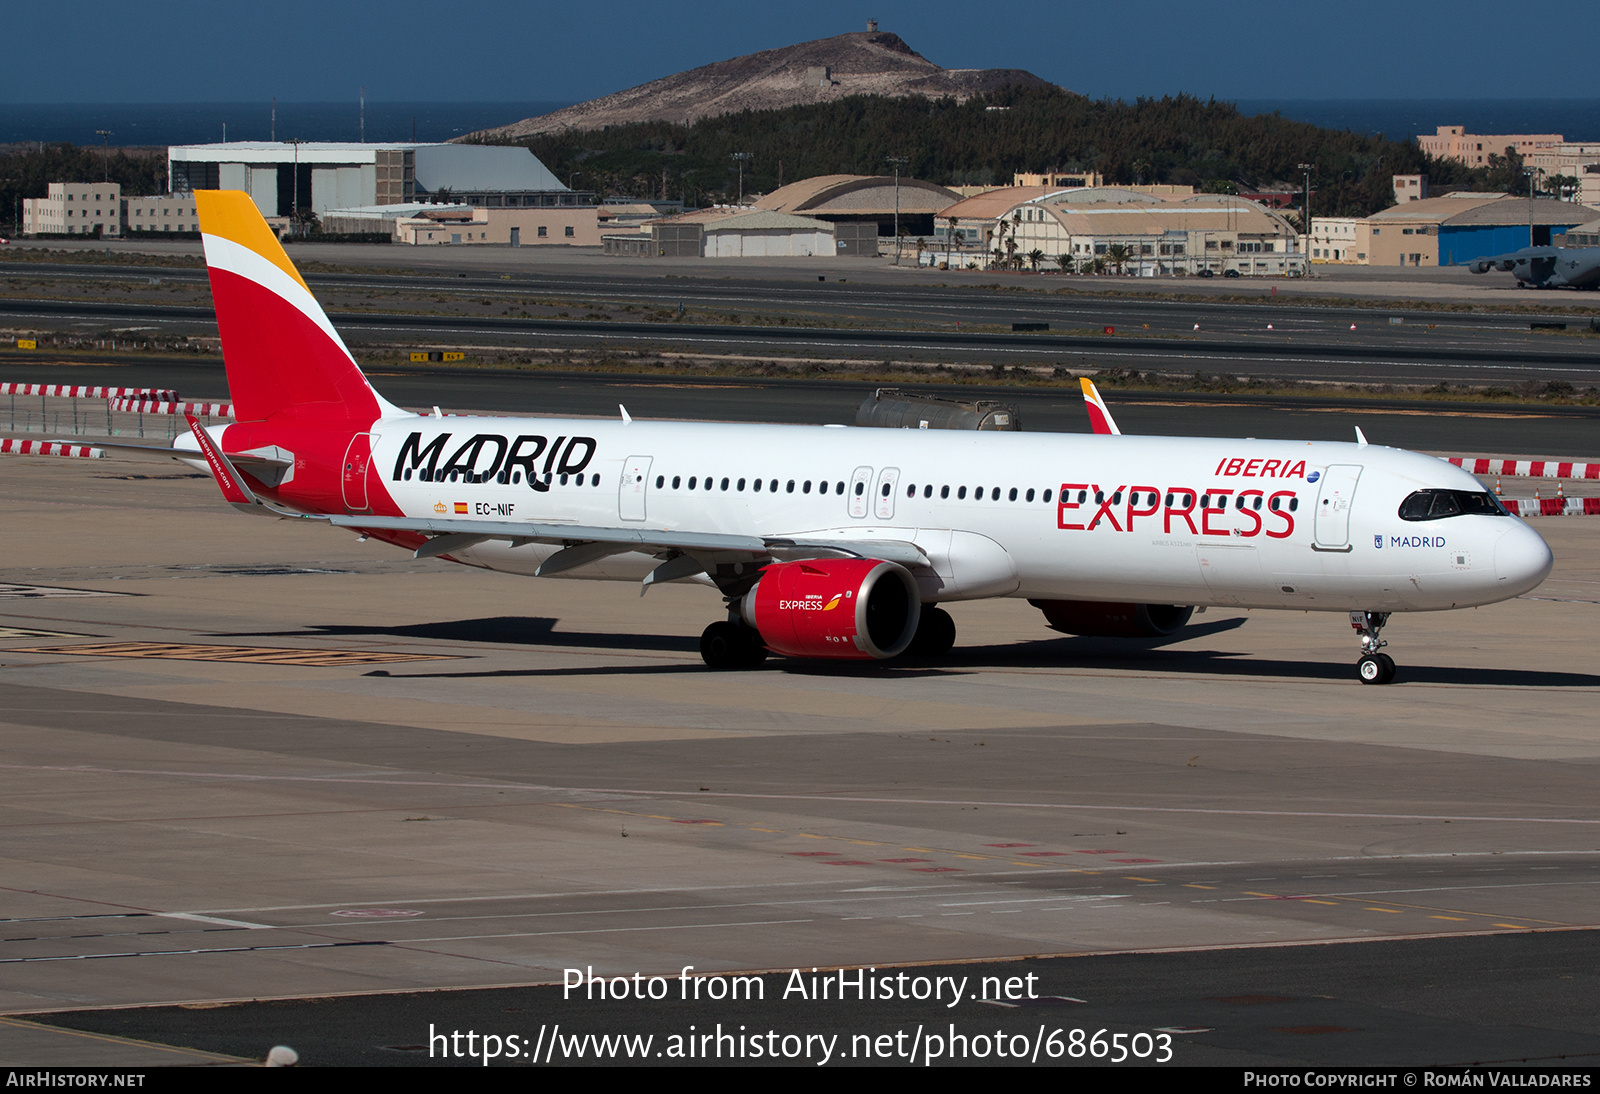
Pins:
<point x="1035" y="257"/>
<point x="1065" y="262"/>
<point x="1117" y="256"/>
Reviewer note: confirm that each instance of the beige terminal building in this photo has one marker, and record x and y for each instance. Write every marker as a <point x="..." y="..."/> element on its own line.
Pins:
<point x="1127" y="231"/>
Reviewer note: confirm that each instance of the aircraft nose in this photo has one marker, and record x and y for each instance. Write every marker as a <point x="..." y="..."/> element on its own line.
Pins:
<point x="1522" y="559"/>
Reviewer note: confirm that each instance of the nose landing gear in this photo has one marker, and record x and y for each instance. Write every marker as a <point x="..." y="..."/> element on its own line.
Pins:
<point x="1372" y="667"/>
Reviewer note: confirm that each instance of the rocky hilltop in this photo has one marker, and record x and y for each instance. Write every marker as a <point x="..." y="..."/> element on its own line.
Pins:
<point x="868" y="63"/>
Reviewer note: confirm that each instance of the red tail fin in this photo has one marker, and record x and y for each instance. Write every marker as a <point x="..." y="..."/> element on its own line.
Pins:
<point x="281" y="353"/>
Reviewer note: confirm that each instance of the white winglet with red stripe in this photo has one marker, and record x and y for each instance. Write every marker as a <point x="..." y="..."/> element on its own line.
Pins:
<point x="1099" y="416"/>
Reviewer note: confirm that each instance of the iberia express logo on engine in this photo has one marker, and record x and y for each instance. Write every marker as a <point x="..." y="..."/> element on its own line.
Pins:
<point x="813" y="603"/>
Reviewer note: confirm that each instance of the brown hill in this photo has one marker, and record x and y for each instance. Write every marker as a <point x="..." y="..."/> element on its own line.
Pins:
<point x="867" y="63"/>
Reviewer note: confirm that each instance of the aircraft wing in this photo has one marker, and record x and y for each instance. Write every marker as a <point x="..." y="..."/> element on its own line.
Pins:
<point x="1508" y="262"/>
<point x="456" y="535"/>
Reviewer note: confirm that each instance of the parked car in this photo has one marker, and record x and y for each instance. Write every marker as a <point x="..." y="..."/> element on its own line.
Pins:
<point x="1231" y="273"/>
<point x="1208" y="272"/>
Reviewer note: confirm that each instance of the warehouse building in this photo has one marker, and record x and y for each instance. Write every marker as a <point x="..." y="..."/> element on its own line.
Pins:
<point x="731" y="232"/>
<point x="326" y="176"/>
<point x="1457" y="228"/>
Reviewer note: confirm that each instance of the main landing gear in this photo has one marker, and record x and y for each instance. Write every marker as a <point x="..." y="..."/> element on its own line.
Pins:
<point x="1372" y="667"/>
<point x="936" y="633"/>
<point x="731" y="646"/>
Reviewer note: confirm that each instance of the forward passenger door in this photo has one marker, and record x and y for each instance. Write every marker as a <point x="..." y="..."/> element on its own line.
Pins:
<point x="631" y="491"/>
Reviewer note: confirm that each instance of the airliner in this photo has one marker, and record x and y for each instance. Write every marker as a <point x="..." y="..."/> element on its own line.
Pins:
<point x="831" y="541"/>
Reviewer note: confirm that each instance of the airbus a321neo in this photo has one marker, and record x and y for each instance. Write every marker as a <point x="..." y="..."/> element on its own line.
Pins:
<point x="834" y="542"/>
<point x="1546" y="267"/>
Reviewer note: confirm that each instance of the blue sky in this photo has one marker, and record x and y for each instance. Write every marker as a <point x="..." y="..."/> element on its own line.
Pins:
<point x="185" y="51"/>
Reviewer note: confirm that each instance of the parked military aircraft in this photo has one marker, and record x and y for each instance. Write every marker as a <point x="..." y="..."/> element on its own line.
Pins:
<point x="1546" y="267"/>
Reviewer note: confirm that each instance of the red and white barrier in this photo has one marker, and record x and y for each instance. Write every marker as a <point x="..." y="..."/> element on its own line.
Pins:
<point x="49" y="448"/>
<point x="65" y="391"/>
<point x="1527" y="469"/>
<point x="1552" y="507"/>
<point x="199" y="410"/>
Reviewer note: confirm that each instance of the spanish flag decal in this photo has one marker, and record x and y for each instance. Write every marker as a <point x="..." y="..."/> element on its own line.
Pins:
<point x="461" y="508"/>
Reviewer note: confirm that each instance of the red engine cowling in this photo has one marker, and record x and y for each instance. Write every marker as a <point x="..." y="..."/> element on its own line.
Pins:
<point x="1088" y="617"/>
<point x="834" y="607"/>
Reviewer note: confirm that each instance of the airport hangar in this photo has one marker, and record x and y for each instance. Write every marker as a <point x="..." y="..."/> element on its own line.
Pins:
<point x="325" y="176"/>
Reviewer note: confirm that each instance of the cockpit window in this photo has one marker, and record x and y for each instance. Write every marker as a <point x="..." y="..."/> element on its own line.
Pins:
<point x="1439" y="504"/>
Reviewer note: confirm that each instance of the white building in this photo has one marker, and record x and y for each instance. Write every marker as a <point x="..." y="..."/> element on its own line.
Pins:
<point x="1344" y="240"/>
<point x="736" y="232"/>
<point x="75" y="208"/>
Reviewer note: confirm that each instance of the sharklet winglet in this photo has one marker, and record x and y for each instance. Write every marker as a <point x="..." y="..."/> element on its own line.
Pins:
<point x="234" y="491"/>
<point x="1099" y="417"/>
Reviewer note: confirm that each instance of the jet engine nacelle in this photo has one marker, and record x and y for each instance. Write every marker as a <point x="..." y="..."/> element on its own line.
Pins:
<point x="1088" y="617"/>
<point x="834" y="607"/>
<point x="1481" y="265"/>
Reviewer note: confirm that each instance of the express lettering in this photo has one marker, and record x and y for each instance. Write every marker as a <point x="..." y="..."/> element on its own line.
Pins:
<point x="1259" y="512"/>
<point x="485" y="456"/>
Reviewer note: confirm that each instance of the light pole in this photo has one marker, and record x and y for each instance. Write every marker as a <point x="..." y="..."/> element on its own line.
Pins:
<point x="1529" y="172"/>
<point x="740" y="158"/>
<point x="105" y="151"/>
<point x="294" y="209"/>
<point x="1306" y="167"/>
<point x="896" y="162"/>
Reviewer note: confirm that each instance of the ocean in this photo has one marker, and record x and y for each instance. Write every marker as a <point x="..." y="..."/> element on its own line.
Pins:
<point x="206" y="123"/>
<point x="162" y="124"/>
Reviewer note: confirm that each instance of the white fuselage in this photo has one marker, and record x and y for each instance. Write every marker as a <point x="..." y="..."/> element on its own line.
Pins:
<point x="1044" y="516"/>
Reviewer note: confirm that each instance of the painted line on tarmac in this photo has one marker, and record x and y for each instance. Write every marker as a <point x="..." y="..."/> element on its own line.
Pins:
<point x="1111" y="807"/>
<point x="196" y="918"/>
<point x="598" y="930"/>
<point x="183" y="953"/>
<point x="176" y="1050"/>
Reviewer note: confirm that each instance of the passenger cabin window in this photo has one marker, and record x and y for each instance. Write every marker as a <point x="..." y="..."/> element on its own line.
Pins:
<point x="1440" y="504"/>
